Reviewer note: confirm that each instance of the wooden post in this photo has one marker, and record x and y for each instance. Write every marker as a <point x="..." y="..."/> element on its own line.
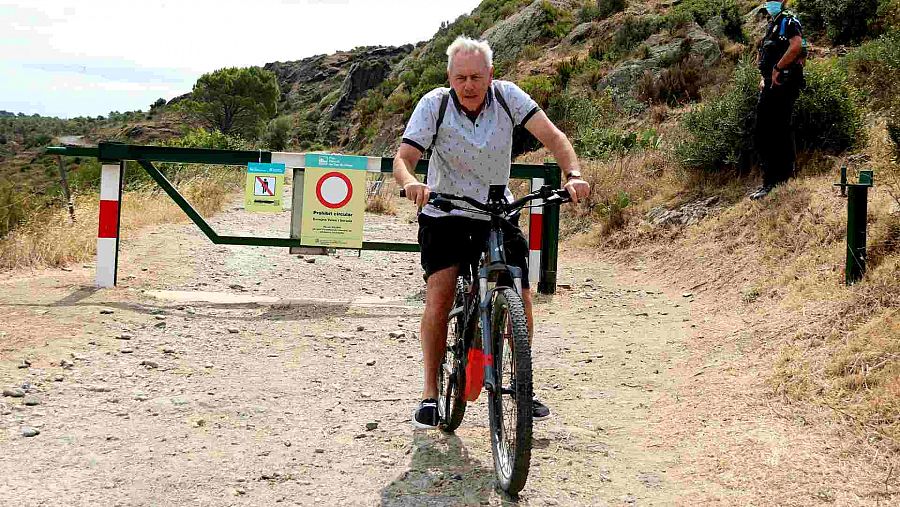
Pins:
<point x="65" y="186"/>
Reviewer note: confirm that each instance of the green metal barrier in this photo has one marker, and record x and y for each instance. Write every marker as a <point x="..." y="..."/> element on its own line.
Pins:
<point x="145" y="156"/>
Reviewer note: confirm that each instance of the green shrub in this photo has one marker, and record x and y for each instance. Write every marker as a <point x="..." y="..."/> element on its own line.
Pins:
<point x="826" y="115"/>
<point x="558" y="22"/>
<point x="399" y="102"/>
<point x="874" y="68"/>
<point x="565" y="69"/>
<point x="702" y="11"/>
<point x="541" y="88"/>
<point x="633" y="31"/>
<point x="278" y="133"/>
<point x="601" y="9"/>
<point x="844" y="21"/>
<point x="719" y="129"/>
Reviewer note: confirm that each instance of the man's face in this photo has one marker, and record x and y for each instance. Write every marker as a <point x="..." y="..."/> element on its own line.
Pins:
<point x="470" y="77"/>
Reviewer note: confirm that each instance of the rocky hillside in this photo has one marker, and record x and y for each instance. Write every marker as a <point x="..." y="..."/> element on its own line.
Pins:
<point x="322" y="90"/>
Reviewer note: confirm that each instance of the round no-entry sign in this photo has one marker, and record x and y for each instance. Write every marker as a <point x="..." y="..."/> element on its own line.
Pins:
<point x="334" y="190"/>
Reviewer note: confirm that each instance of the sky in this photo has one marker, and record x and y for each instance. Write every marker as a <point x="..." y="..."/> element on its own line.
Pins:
<point x="66" y="58"/>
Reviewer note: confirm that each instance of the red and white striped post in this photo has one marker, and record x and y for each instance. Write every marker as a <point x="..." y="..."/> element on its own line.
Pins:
<point x="108" y="232"/>
<point x="535" y="232"/>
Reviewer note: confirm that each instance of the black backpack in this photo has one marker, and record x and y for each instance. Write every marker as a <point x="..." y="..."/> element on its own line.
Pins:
<point x="522" y="140"/>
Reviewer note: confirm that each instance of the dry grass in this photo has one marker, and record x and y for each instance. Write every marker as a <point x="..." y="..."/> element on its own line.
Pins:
<point x="781" y="262"/>
<point x="383" y="201"/>
<point x="47" y="238"/>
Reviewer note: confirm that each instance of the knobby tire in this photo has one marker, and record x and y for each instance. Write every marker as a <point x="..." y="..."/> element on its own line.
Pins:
<point x="508" y="410"/>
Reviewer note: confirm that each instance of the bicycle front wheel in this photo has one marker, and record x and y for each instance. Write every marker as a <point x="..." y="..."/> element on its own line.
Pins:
<point x="510" y="406"/>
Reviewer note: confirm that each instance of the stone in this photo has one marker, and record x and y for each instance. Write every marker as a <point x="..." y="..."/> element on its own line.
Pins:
<point x="310" y="260"/>
<point x="371" y="426"/>
<point x="125" y="336"/>
<point x="319" y="450"/>
<point x="28" y="432"/>
<point x="662" y="52"/>
<point x="509" y="36"/>
<point x="160" y="325"/>
<point x="31" y="401"/>
<point x="397" y="334"/>
<point x="14" y="392"/>
<point x="58" y="378"/>
<point x="370" y="362"/>
<point x="66" y="364"/>
<point x="149" y="364"/>
<point x="168" y="350"/>
<point x="107" y="312"/>
<point x="687" y="294"/>
<point x="99" y="388"/>
<point x="360" y="328"/>
<point x="126" y="350"/>
<point x="24" y="364"/>
<point x="234" y="330"/>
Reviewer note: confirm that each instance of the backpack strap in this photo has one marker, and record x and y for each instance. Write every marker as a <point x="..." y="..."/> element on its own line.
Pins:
<point x="440" y="119"/>
<point x="502" y="102"/>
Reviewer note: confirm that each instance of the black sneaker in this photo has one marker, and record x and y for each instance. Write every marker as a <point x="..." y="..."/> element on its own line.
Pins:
<point x="539" y="411"/>
<point x="426" y="416"/>
<point x="761" y="192"/>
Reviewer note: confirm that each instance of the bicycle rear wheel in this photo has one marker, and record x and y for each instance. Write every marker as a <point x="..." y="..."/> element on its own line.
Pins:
<point x="452" y="374"/>
<point x="510" y="407"/>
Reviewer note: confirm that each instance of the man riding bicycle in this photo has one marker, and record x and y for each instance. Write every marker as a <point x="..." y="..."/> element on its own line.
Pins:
<point x="469" y="130"/>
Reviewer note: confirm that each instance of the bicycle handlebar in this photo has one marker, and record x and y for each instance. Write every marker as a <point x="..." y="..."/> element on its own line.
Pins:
<point x="550" y="196"/>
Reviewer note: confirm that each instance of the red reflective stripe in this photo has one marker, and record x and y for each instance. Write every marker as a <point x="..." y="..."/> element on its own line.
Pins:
<point x="535" y="231"/>
<point x="109" y="219"/>
<point x="489" y="359"/>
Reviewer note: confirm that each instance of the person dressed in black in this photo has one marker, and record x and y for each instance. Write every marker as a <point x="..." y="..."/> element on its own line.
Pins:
<point x="781" y="56"/>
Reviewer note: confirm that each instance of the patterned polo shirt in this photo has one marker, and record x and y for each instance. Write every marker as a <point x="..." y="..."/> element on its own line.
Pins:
<point x="469" y="154"/>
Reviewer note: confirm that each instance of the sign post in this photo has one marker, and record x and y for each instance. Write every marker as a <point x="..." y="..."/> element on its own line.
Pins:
<point x="334" y="201"/>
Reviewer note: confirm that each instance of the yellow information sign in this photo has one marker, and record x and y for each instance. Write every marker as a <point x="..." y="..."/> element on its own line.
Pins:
<point x="265" y="187"/>
<point x="334" y="201"/>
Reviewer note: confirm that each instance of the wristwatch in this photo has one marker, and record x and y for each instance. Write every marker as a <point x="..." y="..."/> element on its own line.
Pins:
<point x="573" y="174"/>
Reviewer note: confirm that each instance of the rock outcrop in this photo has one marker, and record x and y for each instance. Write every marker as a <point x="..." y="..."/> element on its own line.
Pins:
<point x="324" y="88"/>
<point x="662" y="51"/>
<point x="513" y="34"/>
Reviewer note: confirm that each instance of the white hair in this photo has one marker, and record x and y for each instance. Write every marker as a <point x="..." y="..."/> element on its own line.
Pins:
<point x="468" y="45"/>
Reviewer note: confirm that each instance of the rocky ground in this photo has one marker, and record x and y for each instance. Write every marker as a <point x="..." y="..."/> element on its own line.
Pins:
<point x="218" y="375"/>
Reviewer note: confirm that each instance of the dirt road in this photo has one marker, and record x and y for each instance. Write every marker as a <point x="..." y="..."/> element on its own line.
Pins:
<point x="245" y="376"/>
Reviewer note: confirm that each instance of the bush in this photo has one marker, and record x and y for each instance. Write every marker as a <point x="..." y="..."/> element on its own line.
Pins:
<point x="633" y="31"/>
<point x="719" y="129"/>
<point x="676" y="84"/>
<point x="702" y="11"/>
<point x="875" y="68"/>
<point x="541" y="88"/>
<point x="601" y="9"/>
<point x="843" y="21"/>
<point x="826" y="115"/>
<point x="15" y="207"/>
<point x="559" y="22"/>
<point x="278" y="133"/>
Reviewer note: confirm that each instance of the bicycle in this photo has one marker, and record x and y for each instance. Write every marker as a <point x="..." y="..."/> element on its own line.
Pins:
<point x="488" y="322"/>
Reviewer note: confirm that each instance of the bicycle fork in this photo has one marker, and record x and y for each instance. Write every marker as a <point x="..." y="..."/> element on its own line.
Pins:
<point x="485" y="295"/>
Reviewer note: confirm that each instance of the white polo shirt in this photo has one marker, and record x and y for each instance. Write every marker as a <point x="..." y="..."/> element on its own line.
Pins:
<point x="468" y="155"/>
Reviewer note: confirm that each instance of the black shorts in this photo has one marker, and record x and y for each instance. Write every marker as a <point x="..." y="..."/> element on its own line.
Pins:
<point x="454" y="240"/>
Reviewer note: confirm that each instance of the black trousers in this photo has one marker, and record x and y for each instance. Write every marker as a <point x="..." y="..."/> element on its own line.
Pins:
<point x="774" y="133"/>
